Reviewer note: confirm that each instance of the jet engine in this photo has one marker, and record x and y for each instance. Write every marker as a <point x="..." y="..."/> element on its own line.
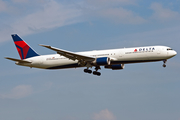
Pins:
<point x="115" y="67"/>
<point x="102" y="61"/>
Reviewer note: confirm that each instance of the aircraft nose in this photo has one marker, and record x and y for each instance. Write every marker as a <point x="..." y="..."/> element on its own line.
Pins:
<point x="174" y="53"/>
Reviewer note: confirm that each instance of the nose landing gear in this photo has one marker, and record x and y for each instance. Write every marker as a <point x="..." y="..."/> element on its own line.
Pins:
<point x="164" y="65"/>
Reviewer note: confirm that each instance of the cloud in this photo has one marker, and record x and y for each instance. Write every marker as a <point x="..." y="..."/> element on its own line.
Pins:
<point x="49" y="15"/>
<point x="165" y="36"/>
<point x="43" y="15"/>
<point x="53" y="15"/>
<point x="163" y="14"/>
<point x="104" y="115"/>
<point x="114" y="11"/>
<point x="20" y="91"/>
<point x="121" y="15"/>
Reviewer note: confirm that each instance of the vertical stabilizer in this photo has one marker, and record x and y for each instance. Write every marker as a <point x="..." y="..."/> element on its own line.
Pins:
<point x="24" y="50"/>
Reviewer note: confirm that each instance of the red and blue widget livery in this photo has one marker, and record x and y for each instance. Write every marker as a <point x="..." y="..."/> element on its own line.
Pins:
<point x="24" y="50"/>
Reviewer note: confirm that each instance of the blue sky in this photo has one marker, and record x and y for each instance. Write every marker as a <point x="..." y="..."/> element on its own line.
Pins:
<point x="144" y="91"/>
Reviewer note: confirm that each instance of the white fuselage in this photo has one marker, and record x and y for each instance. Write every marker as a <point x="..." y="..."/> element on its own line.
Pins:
<point x="117" y="56"/>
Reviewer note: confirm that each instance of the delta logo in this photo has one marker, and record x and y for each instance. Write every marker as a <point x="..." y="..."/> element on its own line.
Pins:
<point x="144" y="49"/>
<point x="135" y="50"/>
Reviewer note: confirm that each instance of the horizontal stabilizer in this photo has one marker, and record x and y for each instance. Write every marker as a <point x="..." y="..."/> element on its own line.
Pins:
<point x="17" y="60"/>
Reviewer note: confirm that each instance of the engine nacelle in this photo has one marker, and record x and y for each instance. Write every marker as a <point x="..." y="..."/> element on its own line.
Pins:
<point x="102" y="61"/>
<point x="115" y="67"/>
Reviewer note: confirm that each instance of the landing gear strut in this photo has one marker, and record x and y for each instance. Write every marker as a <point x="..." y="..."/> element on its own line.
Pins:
<point x="164" y="65"/>
<point x="96" y="72"/>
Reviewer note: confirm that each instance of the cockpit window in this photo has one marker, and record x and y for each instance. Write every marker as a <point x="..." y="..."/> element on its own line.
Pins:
<point x="169" y="49"/>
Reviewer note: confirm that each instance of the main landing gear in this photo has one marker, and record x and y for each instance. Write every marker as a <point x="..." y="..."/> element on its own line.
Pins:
<point x="94" y="72"/>
<point x="164" y="61"/>
<point x="87" y="71"/>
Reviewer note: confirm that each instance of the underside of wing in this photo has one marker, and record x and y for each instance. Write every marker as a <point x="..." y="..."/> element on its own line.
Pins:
<point x="71" y="55"/>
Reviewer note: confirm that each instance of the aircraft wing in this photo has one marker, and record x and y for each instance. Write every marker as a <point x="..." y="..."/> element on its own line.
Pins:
<point x="71" y="55"/>
<point x="17" y="60"/>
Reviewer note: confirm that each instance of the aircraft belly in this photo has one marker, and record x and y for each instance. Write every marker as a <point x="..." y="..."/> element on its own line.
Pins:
<point x="58" y="64"/>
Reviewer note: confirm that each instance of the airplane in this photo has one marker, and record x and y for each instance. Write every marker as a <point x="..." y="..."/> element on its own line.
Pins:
<point x="111" y="59"/>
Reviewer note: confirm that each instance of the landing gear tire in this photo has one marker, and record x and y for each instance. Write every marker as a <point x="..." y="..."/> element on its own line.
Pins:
<point x="96" y="73"/>
<point x="87" y="71"/>
<point x="164" y="65"/>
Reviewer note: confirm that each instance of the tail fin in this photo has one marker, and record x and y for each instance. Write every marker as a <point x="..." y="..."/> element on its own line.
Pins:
<point x="24" y="50"/>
